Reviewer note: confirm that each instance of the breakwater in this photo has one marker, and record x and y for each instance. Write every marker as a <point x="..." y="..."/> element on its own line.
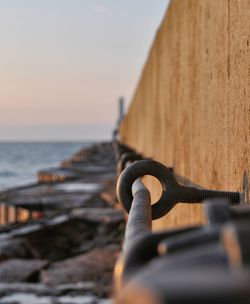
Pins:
<point x="66" y="235"/>
<point x="191" y="108"/>
<point x="20" y="161"/>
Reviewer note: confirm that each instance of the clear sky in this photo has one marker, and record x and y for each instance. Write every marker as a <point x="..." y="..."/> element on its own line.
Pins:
<point x="64" y="63"/>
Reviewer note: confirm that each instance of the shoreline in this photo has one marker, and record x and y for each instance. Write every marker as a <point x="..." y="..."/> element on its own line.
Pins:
<point x="19" y="162"/>
<point x="73" y="231"/>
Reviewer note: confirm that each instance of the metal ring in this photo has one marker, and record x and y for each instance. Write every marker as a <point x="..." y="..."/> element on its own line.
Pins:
<point x="121" y="149"/>
<point x="129" y="156"/>
<point x="156" y="169"/>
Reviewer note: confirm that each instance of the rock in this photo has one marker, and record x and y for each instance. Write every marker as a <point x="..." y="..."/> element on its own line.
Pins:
<point x="58" y="196"/>
<point x="105" y="301"/>
<point x="102" y="153"/>
<point x="52" y="201"/>
<point x="20" y="270"/>
<point x="32" y="189"/>
<point x="65" y="235"/>
<point x="29" y="298"/>
<point x="21" y="287"/>
<point x="79" y="186"/>
<point x="26" y="229"/>
<point x="86" y="246"/>
<point x="31" y="293"/>
<point x="91" y="168"/>
<point x="59" y="236"/>
<point x="57" y="220"/>
<point x="80" y="287"/>
<point x="88" y="299"/>
<point x="98" y="215"/>
<point x="14" y="248"/>
<point x="109" y="193"/>
<point x="96" y="202"/>
<point x="78" y="235"/>
<point x="42" y="289"/>
<point x="96" y="265"/>
<point x="24" y="298"/>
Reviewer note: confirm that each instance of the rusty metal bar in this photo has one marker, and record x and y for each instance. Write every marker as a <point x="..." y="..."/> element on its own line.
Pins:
<point x="199" y="264"/>
<point x="188" y="286"/>
<point x="140" y="218"/>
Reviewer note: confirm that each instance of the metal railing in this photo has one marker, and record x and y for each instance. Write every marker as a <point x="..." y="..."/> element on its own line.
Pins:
<point x="200" y="264"/>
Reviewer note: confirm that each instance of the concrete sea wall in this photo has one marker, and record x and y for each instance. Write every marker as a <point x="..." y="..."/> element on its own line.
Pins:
<point x="191" y="108"/>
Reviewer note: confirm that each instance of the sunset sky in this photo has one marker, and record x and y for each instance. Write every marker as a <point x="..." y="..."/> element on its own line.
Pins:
<point x="64" y="64"/>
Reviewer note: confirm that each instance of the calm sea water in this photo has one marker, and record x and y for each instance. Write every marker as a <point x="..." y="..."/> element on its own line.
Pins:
<point x="20" y="162"/>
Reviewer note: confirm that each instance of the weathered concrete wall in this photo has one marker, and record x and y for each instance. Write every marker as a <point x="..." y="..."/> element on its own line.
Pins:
<point x="191" y="109"/>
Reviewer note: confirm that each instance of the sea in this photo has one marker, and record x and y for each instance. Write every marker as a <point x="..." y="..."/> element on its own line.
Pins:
<point x="20" y="161"/>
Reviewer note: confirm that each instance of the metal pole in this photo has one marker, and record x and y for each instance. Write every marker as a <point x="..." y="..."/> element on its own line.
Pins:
<point x="140" y="216"/>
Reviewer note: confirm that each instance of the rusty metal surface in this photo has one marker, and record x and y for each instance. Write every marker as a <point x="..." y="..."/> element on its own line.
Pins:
<point x="172" y="191"/>
<point x="196" y="264"/>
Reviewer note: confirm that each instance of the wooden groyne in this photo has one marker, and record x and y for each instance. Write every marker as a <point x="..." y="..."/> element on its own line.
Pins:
<point x="191" y="108"/>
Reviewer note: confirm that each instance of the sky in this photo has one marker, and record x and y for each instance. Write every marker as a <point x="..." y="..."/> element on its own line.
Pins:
<point x="65" y="63"/>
